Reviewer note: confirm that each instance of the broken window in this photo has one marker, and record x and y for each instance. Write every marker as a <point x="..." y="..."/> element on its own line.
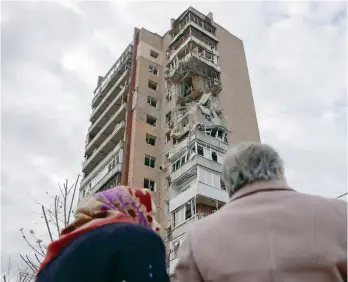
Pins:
<point x="154" y="54"/>
<point x="185" y="122"/>
<point x="153" y="70"/>
<point x="167" y="137"/>
<point x="150" y="120"/>
<point x="150" y="184"/>
<point x="168" y="117"/>
<point x="151" y="140"/>
<point x="214" y="156"/>
<point x="188" y="211"/>
<point x="222" y="185"/>
<point x="150" y="161"/>
<point x="168" y="98"/>
<point x="152" y="85"/>
<point x="186" y="87"/>
<point x="152" y="101"/>
<point x="200" y="150"/>
<point x="220" y="134"/>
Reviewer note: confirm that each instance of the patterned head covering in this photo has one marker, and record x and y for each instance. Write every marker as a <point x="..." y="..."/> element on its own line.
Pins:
<point x="120" y="204"/>
<point x="137" y="204"/>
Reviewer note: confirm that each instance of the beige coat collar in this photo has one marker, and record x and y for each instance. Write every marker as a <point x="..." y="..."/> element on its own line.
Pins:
<point x="260" y="186"/>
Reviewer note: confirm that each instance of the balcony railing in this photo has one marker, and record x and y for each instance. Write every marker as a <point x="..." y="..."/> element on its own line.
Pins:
<point x="193" y="24"/>
<point x="192" y="35"/>
<point x="198" y="188"/>
<point x="101" y="165"/>
<point x="109" y="96"/>
<point x="100" y="137"/>
<point x="197" y="135"/>
<point x="110" y="108"/>
<point x="97" y="155"/>
<point x="121" y="62"/>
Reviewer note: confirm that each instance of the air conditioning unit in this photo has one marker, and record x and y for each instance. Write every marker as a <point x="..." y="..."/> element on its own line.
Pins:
<point x="163" y="168"/>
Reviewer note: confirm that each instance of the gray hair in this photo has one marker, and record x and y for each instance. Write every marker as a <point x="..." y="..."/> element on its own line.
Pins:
<point x="250" y="162"/>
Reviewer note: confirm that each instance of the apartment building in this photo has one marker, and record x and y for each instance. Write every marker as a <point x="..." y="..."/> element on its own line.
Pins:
<point x="163" y="117"/>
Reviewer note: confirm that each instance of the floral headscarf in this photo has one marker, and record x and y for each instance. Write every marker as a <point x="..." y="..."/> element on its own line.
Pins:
<point x="120" y="204"/>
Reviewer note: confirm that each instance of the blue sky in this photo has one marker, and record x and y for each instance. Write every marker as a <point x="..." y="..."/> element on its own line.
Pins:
<point x="52" y="54"/>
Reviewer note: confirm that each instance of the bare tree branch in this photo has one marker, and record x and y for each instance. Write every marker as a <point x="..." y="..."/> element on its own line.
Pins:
<point x="47" y="225"/>
<point x="73" y="197"/>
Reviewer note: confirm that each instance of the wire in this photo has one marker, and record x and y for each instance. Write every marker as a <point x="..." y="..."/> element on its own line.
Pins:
<point x="340" y="196"/>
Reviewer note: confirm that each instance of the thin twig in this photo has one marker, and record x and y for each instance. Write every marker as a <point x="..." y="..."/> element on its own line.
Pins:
<point x="30" y="245"/>
<point x="27" y="263"/>
<point x="56" y="213"/>
<point x="47" y="225"/>
<point x="73" y="197"/>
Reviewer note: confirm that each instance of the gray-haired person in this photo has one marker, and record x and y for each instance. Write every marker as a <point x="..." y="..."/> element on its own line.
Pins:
<point x="268" y="231"/>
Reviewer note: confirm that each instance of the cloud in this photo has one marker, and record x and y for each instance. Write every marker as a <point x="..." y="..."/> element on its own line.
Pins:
<point x="53" y="52"/>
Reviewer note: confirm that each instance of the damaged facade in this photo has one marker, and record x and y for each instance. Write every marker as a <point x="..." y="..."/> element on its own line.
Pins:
<point x="164" y="116"/>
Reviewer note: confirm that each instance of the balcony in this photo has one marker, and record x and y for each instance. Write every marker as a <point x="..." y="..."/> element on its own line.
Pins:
<point x="101" y="165"/>
<point x="196" y="189"/>
<point x="106" y="126"/>
<point x="194" y="60"/>
<point x="197" y="38"/>
<point x="111" y="173"/>
<point x="188" y="169"/>
<point x="191" y="23"/>
<point x="110" y="96"/>
<point x="99" y="153"/>
<point x="197" y="135"/>
<point x="113" y="74"/>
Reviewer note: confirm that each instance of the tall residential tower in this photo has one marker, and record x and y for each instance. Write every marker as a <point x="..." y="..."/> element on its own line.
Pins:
<point x="163" y="117"/>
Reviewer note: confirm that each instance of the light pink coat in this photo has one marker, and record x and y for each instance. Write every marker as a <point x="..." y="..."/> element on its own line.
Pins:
<point x="268" y="232"/>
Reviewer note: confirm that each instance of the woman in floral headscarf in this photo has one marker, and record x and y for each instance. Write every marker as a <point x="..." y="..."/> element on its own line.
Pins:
<point x="113" y="238"/>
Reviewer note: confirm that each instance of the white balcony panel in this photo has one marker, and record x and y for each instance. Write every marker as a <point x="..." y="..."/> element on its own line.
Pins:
<point x="186" y="167"/>
<point x="172" y="265"/>
<point x="182" y="198"/>
<point x="104" y="148"/>
<point x="117" y="117"/>
<point x="191" y="23"/>
<point x="212" y="192"/>
<point x="96" y="112"/>
<point x="111" y="108"/>
<point x="101" y="165"/>
<point x="184" y="228"/>
<point x="106" y="178"/>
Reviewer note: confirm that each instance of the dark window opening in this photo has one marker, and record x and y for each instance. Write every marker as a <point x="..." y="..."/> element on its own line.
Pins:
<point x="151" y="120"/>
<point x="214" y="156"/>
<point x="151" y="140"/>
<point x="200" y="150"/>
<point x="150" y="161"/>
<point x="168" y="117"/>
<point x="149" y="184"/>
<point x="154" y="54"/>
<point x="152" y="85"/>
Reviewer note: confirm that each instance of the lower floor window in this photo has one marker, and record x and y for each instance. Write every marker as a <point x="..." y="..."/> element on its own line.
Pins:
<point x="150" y="184"/>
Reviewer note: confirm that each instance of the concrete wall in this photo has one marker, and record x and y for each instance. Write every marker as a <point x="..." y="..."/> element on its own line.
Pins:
<point x="236" y="96"/>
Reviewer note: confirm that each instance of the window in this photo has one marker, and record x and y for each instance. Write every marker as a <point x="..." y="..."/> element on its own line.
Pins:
<point x="154" y="54"/>
<point x="222" y="185"/>
<point x="180" y="162"/>
<point x="153" y="70"/>
<point x="166" y="207"/>
<point x="152" y="101"/>
<point x="150" y="161"/>
<point x="150" y="120"/>
<point x="167" y="137"/>
<point x="185" y="122"/>
<point x="152" y="85"/>
<point x="151" y="140"/>
<point x="188" y="211"/>
<point x="168" y="98"/>
<point x="214" y="156"/>
<point x="168" y="117"/>
<point x="150" y="184"/>
<point x="200" y="150"/>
